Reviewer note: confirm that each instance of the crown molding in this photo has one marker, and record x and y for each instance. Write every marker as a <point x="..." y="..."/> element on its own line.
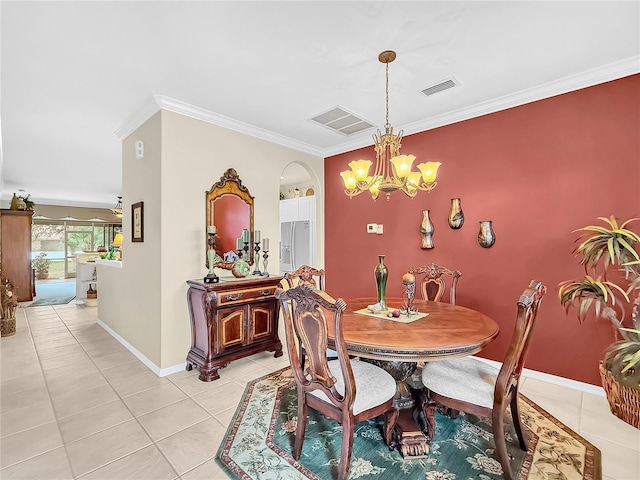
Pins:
<point x="589" y="78"/>
<point x="137" y="118"/>
<point x="162" y="102"/>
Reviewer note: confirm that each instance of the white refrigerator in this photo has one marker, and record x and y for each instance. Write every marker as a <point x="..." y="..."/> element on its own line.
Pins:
<point x="295" y="245"/>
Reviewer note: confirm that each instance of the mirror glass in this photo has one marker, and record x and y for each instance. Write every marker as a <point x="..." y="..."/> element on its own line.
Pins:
<point x="229" y="207"/>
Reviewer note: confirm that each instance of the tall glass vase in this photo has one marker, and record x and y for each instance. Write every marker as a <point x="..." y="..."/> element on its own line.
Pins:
<point x="381" y="273"/>
<point x="426" y="229"/>
<point x="486" y="237"/>
<point x="456" y="215"/>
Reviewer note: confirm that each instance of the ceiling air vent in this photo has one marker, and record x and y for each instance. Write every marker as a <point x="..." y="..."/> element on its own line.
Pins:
<point x="341" y="121"/>
<point x="441" y="87"/>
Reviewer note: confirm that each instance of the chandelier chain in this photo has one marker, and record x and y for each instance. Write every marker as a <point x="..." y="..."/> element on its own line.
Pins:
<point x="387" y="124"/>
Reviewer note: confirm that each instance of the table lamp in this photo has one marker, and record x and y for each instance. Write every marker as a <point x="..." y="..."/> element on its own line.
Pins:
<point x="117" y="244"/>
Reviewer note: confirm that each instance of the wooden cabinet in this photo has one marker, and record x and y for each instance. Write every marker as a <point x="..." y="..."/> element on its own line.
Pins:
<point x="230" y="320"/>
<point x="16" y="251"/>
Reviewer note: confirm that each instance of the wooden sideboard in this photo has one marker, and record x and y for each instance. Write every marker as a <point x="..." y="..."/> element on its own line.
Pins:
<point x="15" y="255"/>
<point x="231" y="319"/>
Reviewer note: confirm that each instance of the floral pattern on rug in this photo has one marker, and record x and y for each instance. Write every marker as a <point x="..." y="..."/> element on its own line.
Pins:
<point x="260" y="439"/>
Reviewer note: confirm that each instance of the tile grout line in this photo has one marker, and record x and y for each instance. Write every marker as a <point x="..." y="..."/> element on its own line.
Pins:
<point x="57" y="417"/>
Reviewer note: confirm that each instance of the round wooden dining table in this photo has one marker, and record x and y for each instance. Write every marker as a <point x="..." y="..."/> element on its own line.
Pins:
<point x="397" y="345"/>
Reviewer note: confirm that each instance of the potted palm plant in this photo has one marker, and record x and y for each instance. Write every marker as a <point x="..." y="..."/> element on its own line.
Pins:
<point x="603" y="249"/>
<point x="41" y="265"/>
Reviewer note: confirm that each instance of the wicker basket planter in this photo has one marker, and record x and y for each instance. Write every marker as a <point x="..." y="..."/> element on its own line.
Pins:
<point x="624" y="401"/>
<point x="8" y="327"/>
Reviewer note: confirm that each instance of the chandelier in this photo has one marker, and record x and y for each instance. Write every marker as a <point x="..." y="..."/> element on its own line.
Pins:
<point x="392" y="171"/>
<point x="117" y="210"/>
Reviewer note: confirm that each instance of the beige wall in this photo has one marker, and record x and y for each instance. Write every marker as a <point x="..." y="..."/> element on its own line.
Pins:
<point x="183" y="158"/>
<point x="135" y="312"/>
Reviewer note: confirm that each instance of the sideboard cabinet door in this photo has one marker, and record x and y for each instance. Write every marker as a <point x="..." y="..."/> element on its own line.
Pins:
<point x="261" y="326"/>
<point x="231" y="319"/>
<point x="231" y="328"/>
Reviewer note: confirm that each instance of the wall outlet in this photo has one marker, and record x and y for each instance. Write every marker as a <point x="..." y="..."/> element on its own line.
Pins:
<point x="372" y="228"/>
<point x="379" y="229"/>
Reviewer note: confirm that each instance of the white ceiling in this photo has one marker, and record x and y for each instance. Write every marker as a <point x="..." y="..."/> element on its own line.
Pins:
<point x="75" y="74"/>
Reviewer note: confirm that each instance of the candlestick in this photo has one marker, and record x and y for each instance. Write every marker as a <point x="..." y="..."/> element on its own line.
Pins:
<point x="245" y="236"/>
<point x="409" y="283"/>
<point x="256" y="236"/>
<point x="256" y="258"/>
<point x="265" y="245"/>
<point x="211" y="256"/>
<point x="245" y="249"/>
<point x="239" y="244"/>
<point x="266" y="259"/>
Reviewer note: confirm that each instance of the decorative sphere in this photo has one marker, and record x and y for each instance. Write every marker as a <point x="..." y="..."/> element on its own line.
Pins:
<point x="408" y="278"/>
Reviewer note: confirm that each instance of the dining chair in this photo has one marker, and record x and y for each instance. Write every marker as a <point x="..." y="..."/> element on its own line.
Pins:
<point x="305" y="274"/>
<point x="433" y="285"/>
<point x="312" y="276"/>
<point x="347" y="391"/>
<point x="470" y="385"/>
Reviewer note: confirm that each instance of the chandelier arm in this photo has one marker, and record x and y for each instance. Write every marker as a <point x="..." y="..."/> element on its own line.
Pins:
<point x="409" y="192"/>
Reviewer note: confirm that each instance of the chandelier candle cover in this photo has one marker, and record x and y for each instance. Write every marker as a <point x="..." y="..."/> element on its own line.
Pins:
<point x="392" y="171"/>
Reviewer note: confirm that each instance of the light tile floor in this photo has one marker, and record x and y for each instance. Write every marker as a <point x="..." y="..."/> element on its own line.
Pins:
<point x="76" y="404"/>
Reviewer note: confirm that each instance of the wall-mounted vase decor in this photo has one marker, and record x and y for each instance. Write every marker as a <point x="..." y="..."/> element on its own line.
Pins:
<point x="381" y="273"/>
<point x="456" y="215"/>
<point x="426" y="229"/>
<point x="486" y="236"/>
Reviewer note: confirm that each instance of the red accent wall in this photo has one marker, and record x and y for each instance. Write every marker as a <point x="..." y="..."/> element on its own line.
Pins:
<point x="538" y="171"/>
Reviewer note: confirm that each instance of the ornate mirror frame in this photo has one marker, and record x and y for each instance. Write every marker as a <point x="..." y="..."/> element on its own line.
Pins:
<point x="229" y="184"/>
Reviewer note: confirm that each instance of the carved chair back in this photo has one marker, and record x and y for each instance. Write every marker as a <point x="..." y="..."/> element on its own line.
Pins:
<point x="433" y="286"/>
<point x="304" y="308"/>
<point x="305" y="274"/>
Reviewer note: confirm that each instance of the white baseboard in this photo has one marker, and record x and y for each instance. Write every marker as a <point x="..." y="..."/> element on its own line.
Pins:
<point x="544" y="377"/>
<point x="547" y="377"/>
<point x="161" y="372"/>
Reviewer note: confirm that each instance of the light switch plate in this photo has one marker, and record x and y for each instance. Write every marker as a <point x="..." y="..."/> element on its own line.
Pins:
<point x="379" y="229"/>
<point x="372" y="228"/>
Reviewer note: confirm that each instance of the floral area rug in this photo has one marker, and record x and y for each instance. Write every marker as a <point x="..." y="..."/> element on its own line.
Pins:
<point x="260" y="439"/>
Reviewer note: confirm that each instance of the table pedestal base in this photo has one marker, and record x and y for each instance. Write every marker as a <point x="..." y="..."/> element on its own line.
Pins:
<point x="411" y="442"/>
<point x="407" y="434"/>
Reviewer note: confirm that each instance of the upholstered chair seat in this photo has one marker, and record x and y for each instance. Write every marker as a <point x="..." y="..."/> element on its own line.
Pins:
<point x="465" y="379"/>
<point x="375" y="386"/>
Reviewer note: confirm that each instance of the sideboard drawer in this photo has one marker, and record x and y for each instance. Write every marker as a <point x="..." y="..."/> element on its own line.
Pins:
<point x="245" y="295"/>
